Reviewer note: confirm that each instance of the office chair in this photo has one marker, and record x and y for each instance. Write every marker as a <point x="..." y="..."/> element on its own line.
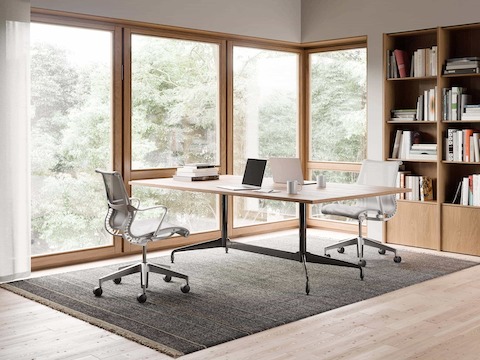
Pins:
<point x="380" y="208"/>
<point x="121" y="221"/>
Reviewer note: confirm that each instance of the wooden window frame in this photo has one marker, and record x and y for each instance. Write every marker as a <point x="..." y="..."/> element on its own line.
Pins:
<point x="122" y="121"/>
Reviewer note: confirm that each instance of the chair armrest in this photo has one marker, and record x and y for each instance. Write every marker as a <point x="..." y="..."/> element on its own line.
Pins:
<point x="136" y="200"/>
<point x="161" y="217"/>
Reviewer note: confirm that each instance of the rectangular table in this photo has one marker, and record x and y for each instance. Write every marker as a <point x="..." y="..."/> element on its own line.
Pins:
<point x="309" y="194"/>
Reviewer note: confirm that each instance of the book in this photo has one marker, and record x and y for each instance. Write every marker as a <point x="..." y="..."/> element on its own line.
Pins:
<point x="195" y="178"/>
<point x="396" y="144"/>
<point x="476" y="190"/>
<point x="476" y="147"/>
<point x="434" y="60"/>
<point x="197" y="172"/>
<point x="402" y="60"/>
<point x="464" y="193"/>
<point x="406" y="144"/>
<point x="473" y="70"/>
<point x="467" y="133"/>
<point x="421" y="146"/>
<point x="463" y="59"/>
<point x="199" y="165"/>
<point x="431" y="104"/>
<point x="462" y="65"/>
<point x="457" y="195"/>
<point x="450" y="136"/>
<point x="456" y="93"/>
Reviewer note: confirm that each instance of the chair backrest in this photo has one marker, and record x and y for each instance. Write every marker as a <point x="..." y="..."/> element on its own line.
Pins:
<point x="379" y="173"/>
<point x="118" y="201"/>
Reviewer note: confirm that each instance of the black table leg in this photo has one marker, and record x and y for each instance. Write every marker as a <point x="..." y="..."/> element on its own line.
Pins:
<point x="220" y="242"/>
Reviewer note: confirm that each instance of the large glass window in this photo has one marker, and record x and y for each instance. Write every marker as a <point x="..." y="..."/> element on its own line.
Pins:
<point x="175" y="102"/>
<point x="265" y="121"/>
<point x="71" y="74"/>
<point x="338" y="121"/>
<point x="338" y="99"/>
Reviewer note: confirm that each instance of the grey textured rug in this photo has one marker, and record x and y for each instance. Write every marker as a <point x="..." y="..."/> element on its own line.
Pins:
<point x="232" y="295"/>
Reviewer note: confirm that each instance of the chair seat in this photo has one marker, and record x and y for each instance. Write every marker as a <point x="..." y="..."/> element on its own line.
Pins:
<point x="352" y="212"/>
<point x="145" y="228"/>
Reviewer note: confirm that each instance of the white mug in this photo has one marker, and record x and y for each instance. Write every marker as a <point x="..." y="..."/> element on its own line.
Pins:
<point x="321" y="182"/>
<point x="292" y="187"/>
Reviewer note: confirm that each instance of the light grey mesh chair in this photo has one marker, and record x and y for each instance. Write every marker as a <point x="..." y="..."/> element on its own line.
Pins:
<point x="121" y="221"/>
<point x="380" y="208"/>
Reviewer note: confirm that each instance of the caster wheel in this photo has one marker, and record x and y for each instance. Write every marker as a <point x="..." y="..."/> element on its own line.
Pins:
<point x="117" y="280"/>
<point x="397" y="259"/>
<point x="185" y="288"/>
<point x="381" y="251"/>
<point x="98" y="291"/>
<point x="328" y="255"/>
<point x="141" y="298"/>
<point x="341" y="250"/>
<point x="167" y="278"/>
<point x="362" y="263"/>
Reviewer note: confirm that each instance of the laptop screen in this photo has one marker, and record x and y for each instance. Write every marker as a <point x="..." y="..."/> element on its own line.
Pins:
<point x="285" y="169"/>
<point x="254" y="170"/>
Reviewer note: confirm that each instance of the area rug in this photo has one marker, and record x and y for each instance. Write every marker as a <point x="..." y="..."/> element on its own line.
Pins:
<point x="232" y="295"/>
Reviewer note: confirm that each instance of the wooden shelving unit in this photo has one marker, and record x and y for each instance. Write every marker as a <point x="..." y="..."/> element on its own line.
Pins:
<point x="437" y="224"/>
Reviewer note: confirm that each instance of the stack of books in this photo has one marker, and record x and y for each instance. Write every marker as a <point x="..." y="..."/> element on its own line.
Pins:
<point x="196" y="172"/>
<point x="471" y="112"/>
<point x="423" y="152"/>
<point x="464" y="65"/>
<point x="403" y="115"/>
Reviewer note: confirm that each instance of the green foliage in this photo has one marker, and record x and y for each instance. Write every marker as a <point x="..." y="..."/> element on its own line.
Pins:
<point x="174" y="102"/>
<point x="338" y="105"/>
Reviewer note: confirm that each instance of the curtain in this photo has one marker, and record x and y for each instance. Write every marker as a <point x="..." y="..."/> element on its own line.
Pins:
<point x="14" y="139"/>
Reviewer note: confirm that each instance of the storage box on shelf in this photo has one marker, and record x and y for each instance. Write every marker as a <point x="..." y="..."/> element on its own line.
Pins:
<point x="438" y="224"/>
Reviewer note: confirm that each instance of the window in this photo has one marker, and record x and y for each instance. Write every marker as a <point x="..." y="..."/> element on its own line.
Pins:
<point x="175" y="119"/>
<point x="265" y="121"/>
<point x="175" y="102"/>
<point x="71" y="75"/>
<point x="337" y="108"/>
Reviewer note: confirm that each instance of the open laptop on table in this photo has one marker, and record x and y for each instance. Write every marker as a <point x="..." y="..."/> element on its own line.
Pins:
<point x="252" y="176"/>
<point x="287" y="169"/>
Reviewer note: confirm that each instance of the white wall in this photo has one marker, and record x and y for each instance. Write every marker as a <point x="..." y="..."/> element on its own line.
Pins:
<point x="271" y="19"/>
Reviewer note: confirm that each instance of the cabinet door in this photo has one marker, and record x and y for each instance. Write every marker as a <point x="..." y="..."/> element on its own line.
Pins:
<point x="414" y="224"/>
<point x="461" y="229"/>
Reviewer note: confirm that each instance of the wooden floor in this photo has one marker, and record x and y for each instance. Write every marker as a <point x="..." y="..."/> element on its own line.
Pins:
<point x="437" y="319"/>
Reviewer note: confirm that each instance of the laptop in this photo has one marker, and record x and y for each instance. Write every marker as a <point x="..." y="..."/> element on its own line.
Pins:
<point x="252" y="176"/>
<point x="287" y="169"/>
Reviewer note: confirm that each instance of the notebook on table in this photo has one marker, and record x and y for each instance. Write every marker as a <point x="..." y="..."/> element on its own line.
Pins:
<point x="252" y="176"/>
<point x="287" y="169"/>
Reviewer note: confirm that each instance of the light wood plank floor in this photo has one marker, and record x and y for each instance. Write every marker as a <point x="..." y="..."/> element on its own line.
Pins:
<point x="437" y="319"/>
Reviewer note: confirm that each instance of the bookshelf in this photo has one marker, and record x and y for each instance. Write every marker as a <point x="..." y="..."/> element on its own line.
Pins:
<point x="435" y="224"/>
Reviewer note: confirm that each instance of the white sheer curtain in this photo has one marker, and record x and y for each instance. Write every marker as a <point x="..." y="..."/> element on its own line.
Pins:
<point x="14" y="139"/>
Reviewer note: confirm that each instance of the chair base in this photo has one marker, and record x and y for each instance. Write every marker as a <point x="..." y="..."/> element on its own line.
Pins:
<point x="144" y="268"/>
<point x="360" y="242"/>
